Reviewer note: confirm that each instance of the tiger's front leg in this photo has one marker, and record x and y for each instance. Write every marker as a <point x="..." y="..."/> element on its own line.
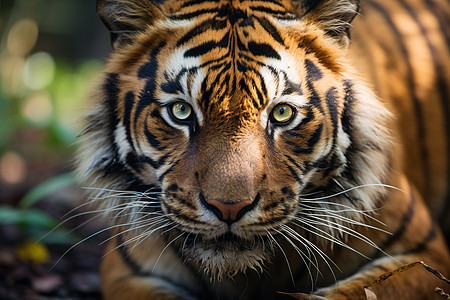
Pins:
<point x="415" y="237"/>
<point x="128" y="275"/>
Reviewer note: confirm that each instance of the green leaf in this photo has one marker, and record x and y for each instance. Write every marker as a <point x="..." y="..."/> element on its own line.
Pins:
<point x="46" y="188"/>
<point x="29" y="217"/>
<point x="36" y="224"/>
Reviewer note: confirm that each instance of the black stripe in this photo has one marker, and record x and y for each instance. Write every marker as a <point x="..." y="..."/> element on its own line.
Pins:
<point x="139" y="271"/>
<point x="291" y="88"/>
<point x="313" y="73"/>
<point x="347" y="113"/>
<point x="442" y="18"/>
<point x="244" y="87"/>
<point x="263" y="49"/>
<point x="443" y="89"/>
<point x="201" y="28"/>
<point x="407" y="217"/>
<point x="148" y="71"/>
<point x="259" y="95"/>
<point x="411" y="86"/>
<point x="201" y="49"/>
<point x="191" y="15"/>
<point x="293" y="172"/>
<point x="331" y="98"/>
<point x="182" y="200"/>
<point x="302" y="150"/>
<point x="205" y="99"/>
<point x="196" y="2"/>
<point x="137" y="162"/>
<point x="310" y="5"/>
<point x="263" y="85"/>
<point x="431" y="235"/>
<point x="173" y="86"/>
<point x="272" y="2"/>
<point x="169" y="170"/>
<point x="308" y="118"/>
<point x="152" y="139"/>
<point x="296" y="164"/>
<point x="110" y="164"/>
<point x="111" y="89"/>
<point x="129" y="103"/>
<point x="272" y="30"/>
<point x="192" y="72"/>
<point x="269" y="10"/>
<point x="315" y="137"/>
<point x="314" y="98"/>
<point x="206" y="47"/>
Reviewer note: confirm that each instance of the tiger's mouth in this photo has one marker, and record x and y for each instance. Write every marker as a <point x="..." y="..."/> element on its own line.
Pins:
<point x="218" y="242"/>
<point x="225" y="254"/>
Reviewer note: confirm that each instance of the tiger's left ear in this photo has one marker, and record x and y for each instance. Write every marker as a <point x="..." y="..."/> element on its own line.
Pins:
<point x="334" y="16"/>
<point x="124" y="18"/>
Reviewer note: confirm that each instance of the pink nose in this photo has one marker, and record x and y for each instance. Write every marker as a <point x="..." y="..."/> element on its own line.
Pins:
<point x="230" y="212"/>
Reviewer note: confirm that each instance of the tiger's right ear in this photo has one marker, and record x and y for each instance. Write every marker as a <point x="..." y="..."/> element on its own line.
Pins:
<point x="124" y="18"/>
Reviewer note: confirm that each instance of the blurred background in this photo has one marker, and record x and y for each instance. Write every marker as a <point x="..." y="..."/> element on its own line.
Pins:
<point x="50" y="53"/>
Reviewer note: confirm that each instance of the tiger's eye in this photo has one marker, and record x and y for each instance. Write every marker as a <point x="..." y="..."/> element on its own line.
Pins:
<point x="181" y="111"/>
<point x="282" y="113"/>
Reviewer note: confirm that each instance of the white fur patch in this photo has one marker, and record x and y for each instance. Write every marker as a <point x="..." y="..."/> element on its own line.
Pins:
<point x="288" y="70"/>
<point x="190" y="90"/>
<point x="120" y="138"/>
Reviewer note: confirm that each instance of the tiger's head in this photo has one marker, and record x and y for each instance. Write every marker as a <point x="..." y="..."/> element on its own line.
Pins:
<point x="224" y="125"/>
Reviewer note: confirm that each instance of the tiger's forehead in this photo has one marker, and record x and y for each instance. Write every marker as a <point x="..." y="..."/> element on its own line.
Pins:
<point x="231" y="57"/>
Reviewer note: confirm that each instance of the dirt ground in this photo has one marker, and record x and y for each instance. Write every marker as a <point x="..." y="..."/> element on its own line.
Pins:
<point x="33" y="270"/>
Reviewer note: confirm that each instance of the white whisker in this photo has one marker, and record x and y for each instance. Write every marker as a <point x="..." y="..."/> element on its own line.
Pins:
<point x="354" y="188"/>
<point x="168" y="244"/>
<point x="301" y="254"/>
<point x="284" y="254"/>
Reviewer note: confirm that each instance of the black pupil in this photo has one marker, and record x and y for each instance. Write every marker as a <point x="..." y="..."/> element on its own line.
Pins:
<point x="281" y="110"/>
<point x="182" y="108"/>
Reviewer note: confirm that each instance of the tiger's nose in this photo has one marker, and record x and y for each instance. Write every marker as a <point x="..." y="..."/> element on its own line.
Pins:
<point x="229" y="212"/>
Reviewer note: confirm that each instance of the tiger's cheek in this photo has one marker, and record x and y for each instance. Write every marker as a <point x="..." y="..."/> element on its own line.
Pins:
<point x="179" y="183"/>
<point x="278" y="193"/>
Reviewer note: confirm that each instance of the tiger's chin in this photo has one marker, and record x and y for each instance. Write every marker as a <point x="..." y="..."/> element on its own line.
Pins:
<point x="225" y="256"/>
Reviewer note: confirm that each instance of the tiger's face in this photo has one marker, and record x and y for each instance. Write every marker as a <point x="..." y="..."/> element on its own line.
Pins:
<point x="234" y="116"/>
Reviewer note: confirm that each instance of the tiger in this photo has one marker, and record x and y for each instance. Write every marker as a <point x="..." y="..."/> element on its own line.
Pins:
<point x="245" y="149"/>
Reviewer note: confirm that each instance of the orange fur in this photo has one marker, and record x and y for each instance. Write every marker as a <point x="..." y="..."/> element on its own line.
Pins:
<point x="230" y="203"/>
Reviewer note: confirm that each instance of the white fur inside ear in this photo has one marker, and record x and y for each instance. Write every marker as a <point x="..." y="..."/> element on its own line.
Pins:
<point x="335" y="15"/>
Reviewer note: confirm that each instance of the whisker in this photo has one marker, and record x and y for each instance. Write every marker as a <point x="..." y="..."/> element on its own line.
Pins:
<point x="173" y="240"/>
<point x="284" y="254"/>
<point x="301" y="254"/>
<point x="78" y="243"/>
<point x="332" y="214"/>
<point x="348" y="209"/>
<point x="319" y="251"/>
<point x="304" y="242"/>
<point x="354" y="188"/>
<point x="144" y="233"/>
<point x="138" y="239"/>
<point x="327" y="236"/>
<point x="341" y="228"/>
<point x="299" y="251"/>
<point x="142" y="222"/>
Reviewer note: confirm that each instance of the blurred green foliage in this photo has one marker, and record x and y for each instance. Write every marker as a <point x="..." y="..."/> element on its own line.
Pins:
<point x="34" y="223"/>
<point x="53" y="109"/>
<point x="46" y="71"/>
